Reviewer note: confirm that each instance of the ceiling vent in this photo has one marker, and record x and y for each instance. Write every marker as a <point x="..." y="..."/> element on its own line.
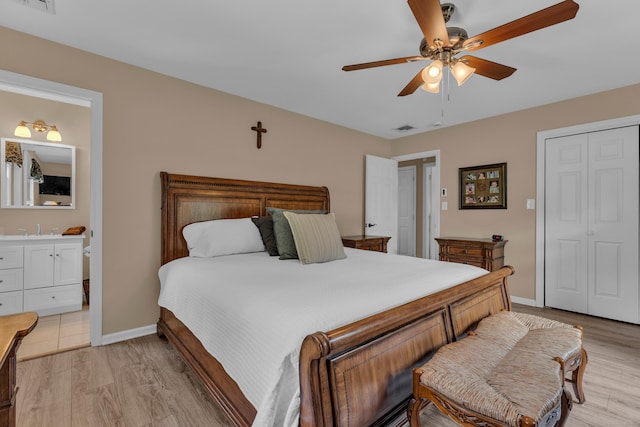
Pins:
<point x="43" y="5"/>
<point x="405" y="128"/>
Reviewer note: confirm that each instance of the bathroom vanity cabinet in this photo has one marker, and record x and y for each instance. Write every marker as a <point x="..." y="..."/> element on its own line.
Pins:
<point x="41" y="274"/>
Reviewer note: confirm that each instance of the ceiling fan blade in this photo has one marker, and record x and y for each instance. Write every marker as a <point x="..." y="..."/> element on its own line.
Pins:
<point x="382" y="63"/>
<point x="428" y="13"/>
<point x="414" y="84"/>
<point x="543" y="18"/>
<point x="490" y="69"/>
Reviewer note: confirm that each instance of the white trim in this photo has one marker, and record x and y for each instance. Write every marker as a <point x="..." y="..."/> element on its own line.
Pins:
<point x="435" y="196"/>
<point x="142" y="331"/>
<point x="540" y="184"/>
<point x="59" y="92"/>
<point x="523" y="301"/>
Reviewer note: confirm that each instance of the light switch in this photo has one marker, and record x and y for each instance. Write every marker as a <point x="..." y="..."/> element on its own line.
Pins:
<point x="444" y="206"/>
<point x="531" y="204"/>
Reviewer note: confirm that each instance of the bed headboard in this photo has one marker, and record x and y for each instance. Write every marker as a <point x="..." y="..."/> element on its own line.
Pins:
<point x="187" y="199"/>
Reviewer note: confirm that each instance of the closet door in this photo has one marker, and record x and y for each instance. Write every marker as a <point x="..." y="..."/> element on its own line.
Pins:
<point x="566" y="223"/>
<point x="613" y="224"/>
<point x="591" y="234"/>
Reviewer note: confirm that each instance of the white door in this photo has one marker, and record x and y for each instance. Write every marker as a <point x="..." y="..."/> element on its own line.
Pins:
<point x="381" y="199"/>
<point x="591" y="234"/>
<point x="407" y="211"/>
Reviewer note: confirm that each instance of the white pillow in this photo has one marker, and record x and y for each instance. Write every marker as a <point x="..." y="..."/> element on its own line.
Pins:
<point x="222" y="237"/>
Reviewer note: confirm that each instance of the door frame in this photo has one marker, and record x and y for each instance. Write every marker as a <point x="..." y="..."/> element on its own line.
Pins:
<point x="32" y="86"/>
<point x="435" y="198"/>
<point x="542" y="136"/>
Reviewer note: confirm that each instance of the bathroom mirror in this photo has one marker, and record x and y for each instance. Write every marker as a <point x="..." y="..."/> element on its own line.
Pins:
<point x="37" y="175"/>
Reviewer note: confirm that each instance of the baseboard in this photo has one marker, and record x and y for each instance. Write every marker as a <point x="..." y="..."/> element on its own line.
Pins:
<point x="523" y="301"/>
<point x="128" y="334"/>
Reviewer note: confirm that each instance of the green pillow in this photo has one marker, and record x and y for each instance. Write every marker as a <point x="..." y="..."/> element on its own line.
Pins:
<point x="282" y="230"/>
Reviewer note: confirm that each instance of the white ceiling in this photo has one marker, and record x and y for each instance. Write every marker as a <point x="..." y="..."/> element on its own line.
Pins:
<point x="289" y="53"/>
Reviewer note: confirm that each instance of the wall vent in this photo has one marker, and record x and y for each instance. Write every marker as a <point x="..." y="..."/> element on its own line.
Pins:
<point x="43" y="5"/>
<point x="405" y="128"/>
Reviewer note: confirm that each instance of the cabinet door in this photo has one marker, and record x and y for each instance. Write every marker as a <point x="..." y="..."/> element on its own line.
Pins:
<point x="68" y="264"/>
<point x="38" y="266"/>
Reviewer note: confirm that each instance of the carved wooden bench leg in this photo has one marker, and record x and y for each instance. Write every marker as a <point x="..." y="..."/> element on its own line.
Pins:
<point x="576" y="378"/>
<point x="415" y="403"/>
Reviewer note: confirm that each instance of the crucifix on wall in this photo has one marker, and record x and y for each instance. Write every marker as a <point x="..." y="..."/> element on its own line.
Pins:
<point x="259" y="131"/>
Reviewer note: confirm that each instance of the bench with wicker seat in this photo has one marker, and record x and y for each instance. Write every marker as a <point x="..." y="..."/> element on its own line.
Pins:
<point x="509" y="371"/>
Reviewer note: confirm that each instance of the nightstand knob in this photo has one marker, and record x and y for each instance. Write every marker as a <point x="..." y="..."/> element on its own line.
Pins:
<point x="369" y="225"/>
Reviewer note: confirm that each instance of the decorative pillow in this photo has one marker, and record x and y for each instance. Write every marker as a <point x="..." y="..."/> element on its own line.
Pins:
<point x="265" y="226"/>
<point x="317" y="237"/>
<point x="282" y="231"/>
<point x="222" y="237"/>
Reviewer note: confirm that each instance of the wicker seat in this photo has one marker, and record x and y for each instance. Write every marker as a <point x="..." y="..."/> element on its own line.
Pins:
<point x="508" y="372"/>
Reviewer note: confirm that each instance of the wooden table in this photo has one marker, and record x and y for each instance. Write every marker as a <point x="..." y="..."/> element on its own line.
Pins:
<point x="12" y="329"/>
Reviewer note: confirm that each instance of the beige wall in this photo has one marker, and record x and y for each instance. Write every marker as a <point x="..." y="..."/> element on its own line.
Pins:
<point x="510" y="138"/>
<point x="74" y="124"/>
<point x="155" y="123"/>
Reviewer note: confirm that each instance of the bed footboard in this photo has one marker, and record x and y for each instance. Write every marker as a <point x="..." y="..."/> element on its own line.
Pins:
<point x="360" y="374"/>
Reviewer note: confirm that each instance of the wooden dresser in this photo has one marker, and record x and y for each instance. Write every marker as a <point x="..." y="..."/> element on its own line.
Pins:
<point x="484" y="253"/>
<point x="12" y="329"/>
<point x="368" y="243"/>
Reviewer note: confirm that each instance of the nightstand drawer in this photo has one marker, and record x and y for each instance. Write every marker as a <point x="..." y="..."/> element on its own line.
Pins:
<point x="469" y="261"/>
<point x="367" y="243"/>
<point x="461" y="250"/>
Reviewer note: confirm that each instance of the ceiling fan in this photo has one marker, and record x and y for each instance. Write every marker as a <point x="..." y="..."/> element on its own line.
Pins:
<point x="441" y="44"/>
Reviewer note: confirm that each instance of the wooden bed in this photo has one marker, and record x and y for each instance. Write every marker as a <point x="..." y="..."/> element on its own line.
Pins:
<point x="358" y="374"/>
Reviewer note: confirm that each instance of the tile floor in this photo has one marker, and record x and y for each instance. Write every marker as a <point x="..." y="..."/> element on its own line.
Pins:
<point x="56" y="333"/>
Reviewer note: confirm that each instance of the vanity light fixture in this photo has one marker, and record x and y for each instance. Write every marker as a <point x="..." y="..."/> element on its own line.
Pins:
<point x="39" y="126"/>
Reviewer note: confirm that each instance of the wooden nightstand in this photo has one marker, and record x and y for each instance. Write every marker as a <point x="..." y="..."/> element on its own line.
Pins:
<point x="484" y="253"/>
<point x="368" y="243"/>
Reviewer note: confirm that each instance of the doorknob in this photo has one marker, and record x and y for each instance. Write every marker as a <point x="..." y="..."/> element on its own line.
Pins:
<point x="369" y="225"/>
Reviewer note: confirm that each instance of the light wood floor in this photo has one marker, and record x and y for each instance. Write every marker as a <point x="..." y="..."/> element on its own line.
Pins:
<point x="142" y="382"/>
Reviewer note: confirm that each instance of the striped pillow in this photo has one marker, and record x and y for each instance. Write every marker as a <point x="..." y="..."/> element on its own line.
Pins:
<point x="316" y="236"/>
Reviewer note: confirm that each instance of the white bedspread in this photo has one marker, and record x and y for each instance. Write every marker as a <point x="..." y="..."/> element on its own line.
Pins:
<point x="252" y="311"/>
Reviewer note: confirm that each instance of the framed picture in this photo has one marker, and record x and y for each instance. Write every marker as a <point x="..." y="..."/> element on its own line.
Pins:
<point x="483" y="187"/>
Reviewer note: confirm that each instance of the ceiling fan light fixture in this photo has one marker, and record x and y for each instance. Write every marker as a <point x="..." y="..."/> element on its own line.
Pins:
<point x="461" y="72"/>
<point x="433" y="72"/>
<point x="431" y="87"/>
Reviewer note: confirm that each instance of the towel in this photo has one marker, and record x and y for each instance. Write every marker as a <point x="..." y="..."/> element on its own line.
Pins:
<point x="74" y="231"/>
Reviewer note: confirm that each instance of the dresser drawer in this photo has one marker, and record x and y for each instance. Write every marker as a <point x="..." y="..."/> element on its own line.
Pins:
<point x="10" y="303"/>
<point x="11" y="279"/>
<point x="53" y="300"/>
<point x="11" y="257"/>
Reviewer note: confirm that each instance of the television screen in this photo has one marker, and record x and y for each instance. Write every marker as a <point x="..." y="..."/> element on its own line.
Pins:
<point x="58" y="185"/>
